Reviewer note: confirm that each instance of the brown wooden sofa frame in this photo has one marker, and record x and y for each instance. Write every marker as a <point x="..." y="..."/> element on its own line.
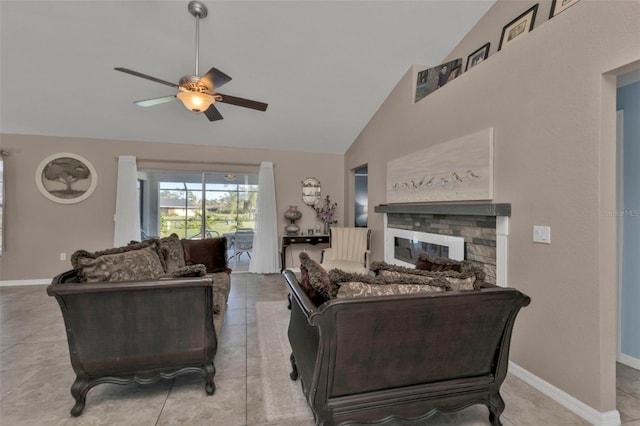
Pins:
<point x="136" y="331"/>
<point x="399" y="359"/>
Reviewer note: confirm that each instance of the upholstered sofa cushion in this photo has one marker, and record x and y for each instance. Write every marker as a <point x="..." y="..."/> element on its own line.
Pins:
<point x="198" y="270"/>
<point x="211" y="252"/>
<point x="314" y="279"/>
<point x="339" y="277"/>
<point x="221" y="288"/>
<point x="359" y="289"/>
<point x="344" y="265"/>
<point x="133" y="262"/>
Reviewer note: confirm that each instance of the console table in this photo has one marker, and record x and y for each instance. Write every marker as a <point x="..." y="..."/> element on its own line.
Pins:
<point x="288" y="240"/>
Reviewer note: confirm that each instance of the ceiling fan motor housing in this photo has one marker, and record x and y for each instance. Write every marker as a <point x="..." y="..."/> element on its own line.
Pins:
<point x="190" y="83"/>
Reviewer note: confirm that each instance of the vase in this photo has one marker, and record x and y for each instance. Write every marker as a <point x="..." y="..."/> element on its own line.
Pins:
<point x="292" y="214"/>
<point x="327" y="225"/>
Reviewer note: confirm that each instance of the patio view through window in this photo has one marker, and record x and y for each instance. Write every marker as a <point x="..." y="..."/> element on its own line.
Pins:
<point x="197" y="205"/>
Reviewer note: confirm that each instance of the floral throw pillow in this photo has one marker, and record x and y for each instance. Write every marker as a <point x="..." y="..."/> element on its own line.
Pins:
<point x="358" y="289"/>
<point x="427" y="262"/>
<point x="467" y="279"/>
<point x="171" y="253"/>
<point x="130" y="263"/>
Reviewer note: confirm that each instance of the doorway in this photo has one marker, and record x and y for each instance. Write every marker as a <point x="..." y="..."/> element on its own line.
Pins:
<point x="628" y="215"/>
<point x="628" y="233"/>
<point x="361" y="197"/>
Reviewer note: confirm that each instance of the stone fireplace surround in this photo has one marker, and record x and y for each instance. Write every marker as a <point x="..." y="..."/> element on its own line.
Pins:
<point x="484" y="228"/>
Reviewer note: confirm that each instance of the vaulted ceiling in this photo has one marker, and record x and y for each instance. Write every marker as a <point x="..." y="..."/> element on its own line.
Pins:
<point x="324" y="67"/>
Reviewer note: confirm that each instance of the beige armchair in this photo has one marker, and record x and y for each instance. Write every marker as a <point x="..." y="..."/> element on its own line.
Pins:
<point x="348" y="251"/>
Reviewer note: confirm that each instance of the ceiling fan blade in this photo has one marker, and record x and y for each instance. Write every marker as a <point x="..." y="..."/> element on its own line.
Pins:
<point x="155" y="101"/>
<point x="148" y="77"/>
<point x="214" y="78"/>
<point x="212" y="113"/>
<point x="247" y="103"/>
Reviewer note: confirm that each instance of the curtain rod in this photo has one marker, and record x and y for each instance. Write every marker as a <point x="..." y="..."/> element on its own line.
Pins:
<point x="206" y="163"/>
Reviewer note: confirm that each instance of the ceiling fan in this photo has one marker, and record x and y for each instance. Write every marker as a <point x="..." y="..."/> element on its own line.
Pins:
<point x="198" y="93"/>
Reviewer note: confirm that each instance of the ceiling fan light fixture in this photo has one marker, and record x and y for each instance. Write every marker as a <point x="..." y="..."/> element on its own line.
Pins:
<point x="196" y="101"/>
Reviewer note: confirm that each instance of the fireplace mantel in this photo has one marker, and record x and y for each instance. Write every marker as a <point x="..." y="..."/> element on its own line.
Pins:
<point x="482" y="209"/>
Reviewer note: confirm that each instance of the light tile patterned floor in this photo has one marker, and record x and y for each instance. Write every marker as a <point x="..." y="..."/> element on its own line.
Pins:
<point x="35" y="375"/>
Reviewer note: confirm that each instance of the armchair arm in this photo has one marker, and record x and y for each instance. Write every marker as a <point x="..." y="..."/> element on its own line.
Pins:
<point x="327" y="254"/>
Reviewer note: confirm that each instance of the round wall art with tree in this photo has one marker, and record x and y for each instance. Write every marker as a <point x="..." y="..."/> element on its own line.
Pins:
<point x="66" y="178"/>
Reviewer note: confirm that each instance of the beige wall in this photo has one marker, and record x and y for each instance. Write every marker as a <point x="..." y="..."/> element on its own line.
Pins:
<point x="37" y="229"/>
<point x="553" y="113"/>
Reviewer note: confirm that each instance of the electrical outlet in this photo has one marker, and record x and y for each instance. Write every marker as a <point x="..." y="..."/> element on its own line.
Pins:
<point x="542" y="234"/>
<point x="63" y="256"/>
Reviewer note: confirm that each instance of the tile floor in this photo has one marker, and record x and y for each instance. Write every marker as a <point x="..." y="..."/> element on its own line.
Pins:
<point x="35" y="375"/>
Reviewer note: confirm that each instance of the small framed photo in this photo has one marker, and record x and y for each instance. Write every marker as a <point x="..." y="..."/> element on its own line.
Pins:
<point x="66" y="178"/>
<point x="478" y="56"/>
<point x="559" y="5"/>
<point x="518" y="27"/>
<point x="310" y="231"/>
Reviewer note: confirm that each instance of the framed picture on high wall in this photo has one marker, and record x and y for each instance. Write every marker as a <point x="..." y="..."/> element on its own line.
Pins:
<point x="518" y="27"/>
<point x="559" y="5"/>
<point x="478" y="56"/>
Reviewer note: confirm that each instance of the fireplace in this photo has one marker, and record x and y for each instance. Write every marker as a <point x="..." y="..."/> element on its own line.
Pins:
<point x="475" y="232"/>
<point x="402" y="247"/>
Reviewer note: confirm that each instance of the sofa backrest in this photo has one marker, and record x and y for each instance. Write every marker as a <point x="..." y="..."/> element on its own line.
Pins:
<point x="386" y="342"/>
<point x="129" y="326"/>
<point x="372" y="344"/>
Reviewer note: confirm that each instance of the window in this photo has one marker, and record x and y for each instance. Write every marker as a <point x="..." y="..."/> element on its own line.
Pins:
<point x="197" y="204"/>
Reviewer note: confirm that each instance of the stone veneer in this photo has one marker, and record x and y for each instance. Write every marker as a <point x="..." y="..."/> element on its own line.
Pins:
<point x="479" y="233"/>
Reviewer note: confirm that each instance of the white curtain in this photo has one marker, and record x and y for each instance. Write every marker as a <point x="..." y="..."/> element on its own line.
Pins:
<point x="127" y="217"/>
<point x="265" y="241"/>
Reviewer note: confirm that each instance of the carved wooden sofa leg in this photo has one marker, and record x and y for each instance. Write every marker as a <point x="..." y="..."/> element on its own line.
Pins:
<point x="294" y="368"/>
<point x="79" y="390"/>
<point x="496" y="407"/>
<point x="210" y="372"/>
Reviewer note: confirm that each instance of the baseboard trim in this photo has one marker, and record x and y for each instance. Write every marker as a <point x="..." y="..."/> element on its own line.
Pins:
<point x="629" y="361"/>
<point x="10" y="283"/>
<point x="593" y="416"/>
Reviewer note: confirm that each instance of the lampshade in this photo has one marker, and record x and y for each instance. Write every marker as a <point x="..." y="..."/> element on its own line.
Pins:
<point x="196" y="101"/>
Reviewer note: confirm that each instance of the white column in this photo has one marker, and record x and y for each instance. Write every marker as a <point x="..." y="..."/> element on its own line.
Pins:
<point x="502" y="234"/>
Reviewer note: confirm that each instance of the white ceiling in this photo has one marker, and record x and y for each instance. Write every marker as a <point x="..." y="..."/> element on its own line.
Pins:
<point x="324" y="67"/>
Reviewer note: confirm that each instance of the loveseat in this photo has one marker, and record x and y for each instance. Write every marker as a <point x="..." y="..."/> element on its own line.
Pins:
<point x="143" y="312"/>
<point x="420" y="347"/>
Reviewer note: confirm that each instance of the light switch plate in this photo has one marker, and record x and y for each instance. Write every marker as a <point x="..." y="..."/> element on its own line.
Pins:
<point x="541" y="234"/>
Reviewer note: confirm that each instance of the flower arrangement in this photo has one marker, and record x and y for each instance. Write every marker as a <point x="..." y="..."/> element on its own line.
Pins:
<point x="326" y="212"/>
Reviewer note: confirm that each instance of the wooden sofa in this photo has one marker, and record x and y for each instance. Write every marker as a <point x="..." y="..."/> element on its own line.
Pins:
<point x="137" y="331"/>
<point x="395" y="359"/>
<point x="124" y="326"/>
